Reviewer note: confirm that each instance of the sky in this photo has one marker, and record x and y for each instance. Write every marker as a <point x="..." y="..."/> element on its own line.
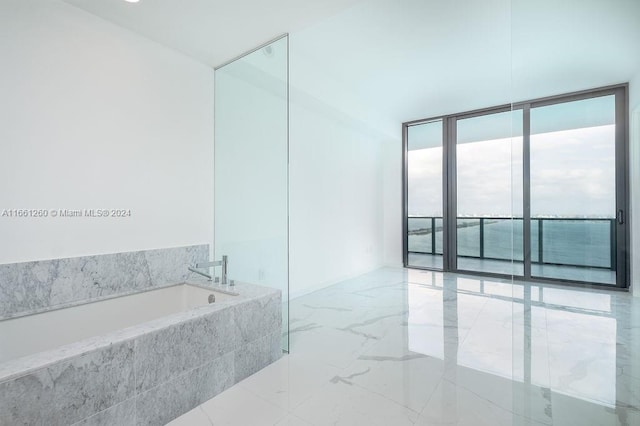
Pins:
<point x="572" y="175"/>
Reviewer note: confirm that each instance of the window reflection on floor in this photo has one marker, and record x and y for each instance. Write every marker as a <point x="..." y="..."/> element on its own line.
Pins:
<point x="563" y="340"/>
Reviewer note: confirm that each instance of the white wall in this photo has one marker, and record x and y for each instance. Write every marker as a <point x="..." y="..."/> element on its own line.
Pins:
<point x="94" y="116"/>
<point x="634" y="179"/>
<point x="336" y="177"/>
<point x="392" y="201"/>
<point x="336" y="218"/>
<point x="355" y="77"/>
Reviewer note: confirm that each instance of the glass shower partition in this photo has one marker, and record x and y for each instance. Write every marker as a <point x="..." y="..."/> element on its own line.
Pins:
<point x="251" y="169"/>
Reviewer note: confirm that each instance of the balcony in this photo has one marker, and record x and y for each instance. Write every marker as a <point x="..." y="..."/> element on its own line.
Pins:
<point x="579" y="249"/>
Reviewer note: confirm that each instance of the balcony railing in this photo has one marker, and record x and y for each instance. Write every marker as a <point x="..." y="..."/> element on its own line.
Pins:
<point x="579" y="242"/>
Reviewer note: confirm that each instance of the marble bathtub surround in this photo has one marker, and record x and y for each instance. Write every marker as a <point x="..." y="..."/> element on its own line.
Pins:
<point x="147" y="374"/>
<point x="403" y="347"/>
<point x="71" y="390"/>
<point x="162" y="355"/>
<point x="31" y="287"/>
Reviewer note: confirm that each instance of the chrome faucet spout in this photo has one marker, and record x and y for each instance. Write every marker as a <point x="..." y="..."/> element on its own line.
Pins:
<point x="224" y="263"/>
<point x="210" y="264"/>
<point x="200" y="273"/>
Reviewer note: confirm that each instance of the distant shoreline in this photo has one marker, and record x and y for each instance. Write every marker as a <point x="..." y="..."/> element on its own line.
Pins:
<point x="460" y="226"/>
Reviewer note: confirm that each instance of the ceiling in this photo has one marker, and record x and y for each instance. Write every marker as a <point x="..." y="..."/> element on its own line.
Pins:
<point x="383" y="62"/>
<point x="413" y="59"/>
<point x="213" y="31"/>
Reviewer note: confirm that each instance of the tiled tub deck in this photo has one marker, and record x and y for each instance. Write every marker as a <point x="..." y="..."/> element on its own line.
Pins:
<point x="146" y="374"/>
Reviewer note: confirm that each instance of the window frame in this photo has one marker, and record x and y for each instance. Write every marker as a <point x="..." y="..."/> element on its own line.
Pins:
<point x="622" y="160"/>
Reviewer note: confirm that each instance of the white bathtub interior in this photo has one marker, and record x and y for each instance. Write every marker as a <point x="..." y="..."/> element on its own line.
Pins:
<point x="48" y="330"/>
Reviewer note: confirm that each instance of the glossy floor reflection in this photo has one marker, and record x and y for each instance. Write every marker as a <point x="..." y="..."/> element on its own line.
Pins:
<point x="507" y="267"/>
<point x="403" y="347"/>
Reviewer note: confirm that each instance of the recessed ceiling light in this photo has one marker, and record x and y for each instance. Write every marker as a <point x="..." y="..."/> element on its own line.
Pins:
<point x="132" y="1"/>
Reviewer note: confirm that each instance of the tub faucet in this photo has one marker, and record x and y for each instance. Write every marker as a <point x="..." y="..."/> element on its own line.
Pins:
<point x="224" y="263"/>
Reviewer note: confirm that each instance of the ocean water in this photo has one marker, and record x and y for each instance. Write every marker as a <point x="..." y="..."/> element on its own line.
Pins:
<point x="564" y="242"/>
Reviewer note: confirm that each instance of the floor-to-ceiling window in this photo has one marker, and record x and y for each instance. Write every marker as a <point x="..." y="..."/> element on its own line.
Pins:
<point x="489" y="192"/>
<point x="573" y="190"/>
<point x="536" y="190"/>
<point x="424" y="183"/>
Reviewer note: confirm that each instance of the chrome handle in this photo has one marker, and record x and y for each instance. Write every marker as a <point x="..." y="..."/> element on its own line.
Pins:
<point x="208" y="264"/>
<point x="225" y="266"/>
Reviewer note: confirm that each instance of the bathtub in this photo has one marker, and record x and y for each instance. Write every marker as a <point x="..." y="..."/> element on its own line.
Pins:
<point x="139" y="359"/>
<point x="63" y="326"/>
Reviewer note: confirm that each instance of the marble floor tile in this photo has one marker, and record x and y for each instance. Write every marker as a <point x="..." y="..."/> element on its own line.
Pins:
<point x="335" y="347"/>
<point x="524" y="400"/>
<point x="568" y="411"/>
<point x="408" y="379"/>
<point x="582" y="323"/>
<point x="399" y="346"/>
<point x="431" y="278"/>
<point x="195" y="417"/>
<point x="454" y="405"/>
<point x="292" y="420"/>
<point x="584" y="367"/>
<point x="516" y="314"/>
<point x="239" y="407"/>
<point x="507" y="351"/>
<point x="347" y="404"/>
<point x="325" y="313"/>
<point x="290" y="381"/>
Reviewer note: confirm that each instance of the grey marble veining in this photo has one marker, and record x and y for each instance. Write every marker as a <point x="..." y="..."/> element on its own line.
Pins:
<point x="25" y="286"/>
<point x="167" y="401"/>
<point x="302" y="328"/>
<point x="31" y="287"/>
<point x="452" y="349"/>
<point x="256" y="355"/>
<point x="348" y="379"/>
<point x="167" y="353"/>
<point x="257" y="318"/>
<point x="123" y="414"/>
<point x="149" y="373"/>
<point x="67" y="392"/>
<point x="247" y="292"/>
<point x="330" y="308"/>
<point x="169" y="265"/>
<point x="97" y="276"/>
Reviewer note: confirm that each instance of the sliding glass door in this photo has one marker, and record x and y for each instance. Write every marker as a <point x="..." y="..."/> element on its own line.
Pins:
<point x="536" y="190"/>
<point x="424" y="165"/>
<point x="489" y="192"/>
<point x="573" y="194"/>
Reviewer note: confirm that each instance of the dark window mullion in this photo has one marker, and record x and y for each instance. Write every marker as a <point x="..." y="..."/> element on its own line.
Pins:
<point x="526" y="191"/>
<point x="405" y="198"/>
<point x="622" y="179"/>
<point x="450" y="218"/>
